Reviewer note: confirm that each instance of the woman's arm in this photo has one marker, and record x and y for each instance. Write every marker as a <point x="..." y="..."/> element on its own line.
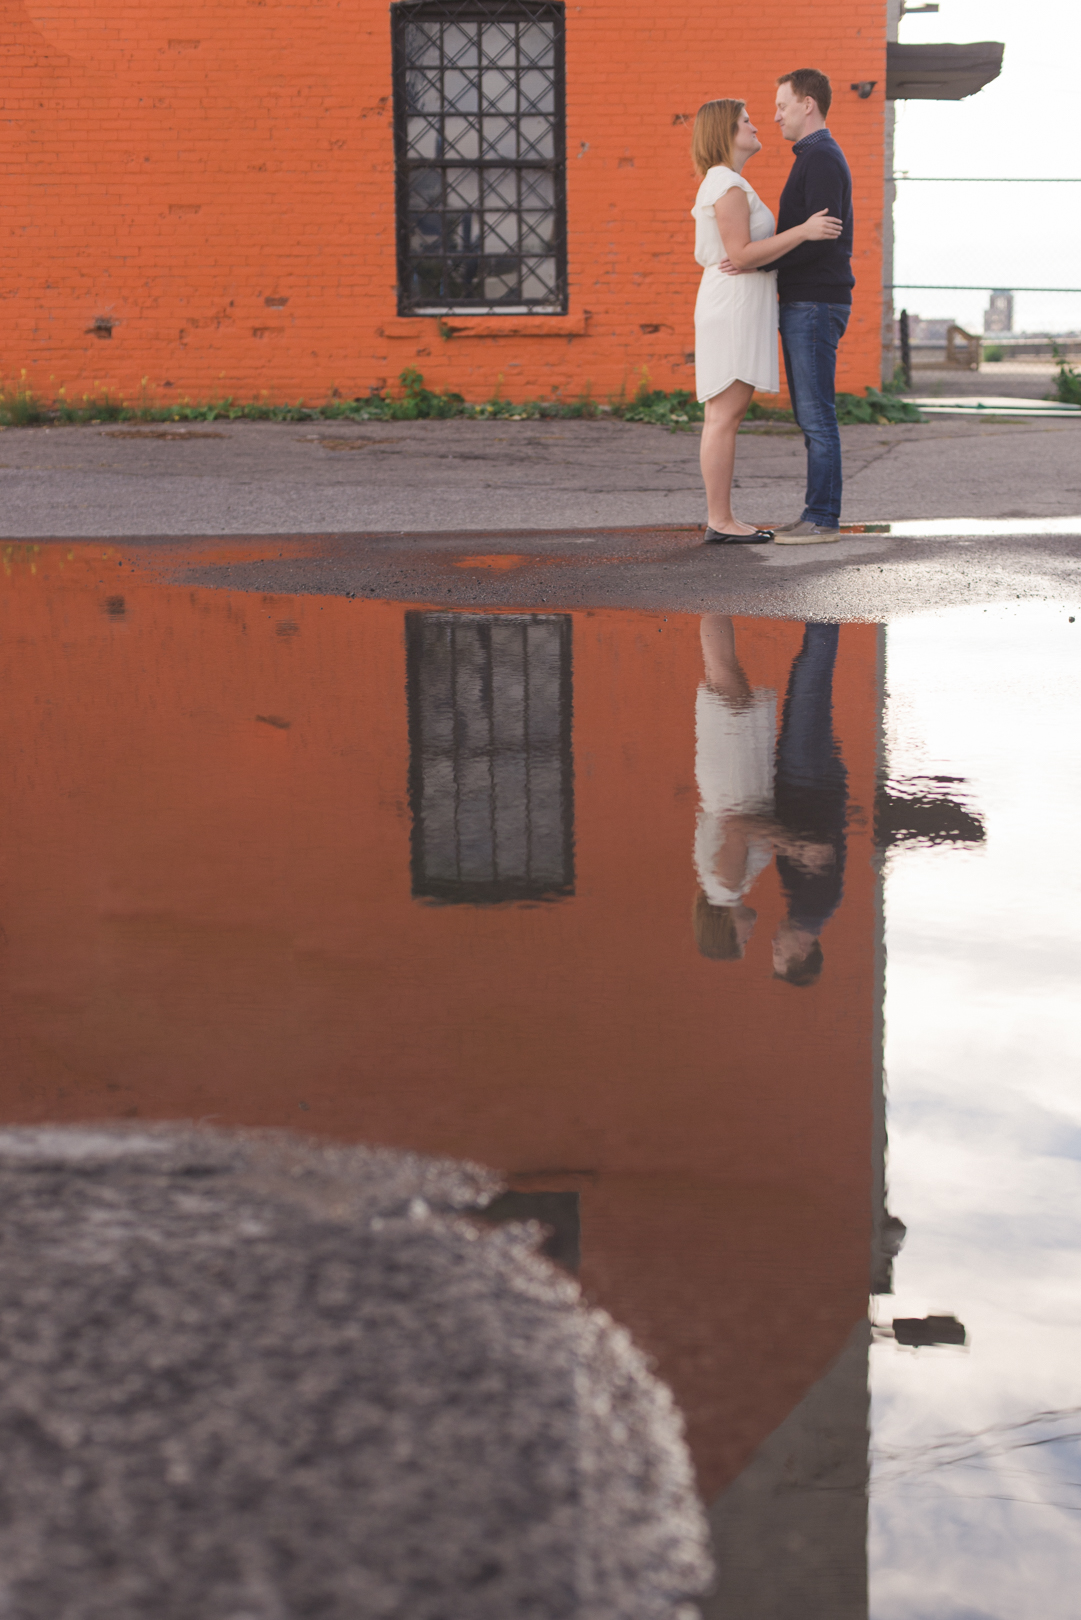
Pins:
<point x="802" y="852"/>
<point x="730" y="862"/>
<point x="734" y="223"/>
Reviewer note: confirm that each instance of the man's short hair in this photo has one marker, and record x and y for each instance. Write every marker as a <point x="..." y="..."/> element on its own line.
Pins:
<point x="809" y="82"/>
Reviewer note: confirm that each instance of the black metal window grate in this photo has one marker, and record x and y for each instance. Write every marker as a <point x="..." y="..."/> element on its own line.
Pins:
<point x="480" y="155"/>
<point x="490" y="764"/>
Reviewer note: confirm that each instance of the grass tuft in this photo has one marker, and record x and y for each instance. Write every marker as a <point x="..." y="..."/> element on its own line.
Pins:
<point x="883" y="406"/>
<point x="20" y="406"/>
<point x="1068" y="381"/>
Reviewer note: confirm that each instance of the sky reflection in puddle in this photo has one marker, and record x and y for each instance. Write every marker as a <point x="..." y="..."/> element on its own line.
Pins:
<point x="977" y="1474"/>
<point x="526" y="888"/>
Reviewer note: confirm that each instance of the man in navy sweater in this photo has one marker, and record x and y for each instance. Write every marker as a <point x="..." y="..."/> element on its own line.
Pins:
<point x="814" y="285"/>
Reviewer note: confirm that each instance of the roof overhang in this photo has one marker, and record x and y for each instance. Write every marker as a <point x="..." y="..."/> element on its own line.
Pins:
<point x="940" y="72"/>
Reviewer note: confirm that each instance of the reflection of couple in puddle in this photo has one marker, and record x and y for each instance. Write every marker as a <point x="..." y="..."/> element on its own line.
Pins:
<point x="759" y="801"/>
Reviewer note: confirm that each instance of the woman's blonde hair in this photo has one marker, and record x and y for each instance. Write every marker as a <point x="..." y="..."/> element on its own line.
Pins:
<point x="714" y="131"/>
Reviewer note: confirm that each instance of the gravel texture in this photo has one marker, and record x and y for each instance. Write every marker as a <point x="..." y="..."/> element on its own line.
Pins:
<point x="245" y="1376"/>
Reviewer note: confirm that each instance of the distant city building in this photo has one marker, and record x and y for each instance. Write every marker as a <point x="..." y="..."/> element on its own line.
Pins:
<point x="998" y="316"/>
<point x="920" y="331"/>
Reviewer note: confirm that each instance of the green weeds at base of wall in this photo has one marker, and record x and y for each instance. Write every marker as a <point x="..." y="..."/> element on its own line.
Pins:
<point x="1067" y="383"/>
<point x="877" y="405"/>
<point x="678" y="410"/>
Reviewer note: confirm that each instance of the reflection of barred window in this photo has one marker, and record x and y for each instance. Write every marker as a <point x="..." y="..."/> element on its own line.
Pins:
<point x="480" y="154"/>
<point x="490" y="768"/>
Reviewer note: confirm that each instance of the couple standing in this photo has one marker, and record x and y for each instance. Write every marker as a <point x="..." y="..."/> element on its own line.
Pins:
<point x="748" y="264"/>
<point x="764" y="796"/>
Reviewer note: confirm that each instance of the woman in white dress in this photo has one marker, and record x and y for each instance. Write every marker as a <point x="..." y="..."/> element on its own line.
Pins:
<point x="735" y="316"/>
<point x="735" y="729"/>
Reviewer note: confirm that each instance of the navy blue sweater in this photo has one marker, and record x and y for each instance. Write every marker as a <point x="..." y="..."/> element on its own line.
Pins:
<point x="816" y="272"/>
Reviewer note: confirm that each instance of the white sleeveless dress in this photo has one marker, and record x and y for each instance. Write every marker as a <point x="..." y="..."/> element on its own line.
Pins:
<point x="733" y="765"/>
<point x="735" y="317"/>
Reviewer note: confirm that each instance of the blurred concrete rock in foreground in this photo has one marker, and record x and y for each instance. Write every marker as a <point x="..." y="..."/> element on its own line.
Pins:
<point x="249" y="1377"/>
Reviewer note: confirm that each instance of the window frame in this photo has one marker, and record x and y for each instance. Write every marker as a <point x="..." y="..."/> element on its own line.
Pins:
<point x="404" y="12"/>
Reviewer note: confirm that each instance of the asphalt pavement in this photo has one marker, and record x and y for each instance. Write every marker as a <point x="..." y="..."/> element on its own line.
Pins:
<point x="575" y="513"/>
<point x="430" y="478"/>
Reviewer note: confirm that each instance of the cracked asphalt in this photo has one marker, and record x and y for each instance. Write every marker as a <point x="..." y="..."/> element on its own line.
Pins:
<point x="498" y="513"/>
<point x="434" y="477"/>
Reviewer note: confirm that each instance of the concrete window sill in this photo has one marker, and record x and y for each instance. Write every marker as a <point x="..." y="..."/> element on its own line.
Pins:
<point x="515" y="326"/>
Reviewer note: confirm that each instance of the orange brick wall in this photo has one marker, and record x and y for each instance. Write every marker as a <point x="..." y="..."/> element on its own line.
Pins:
<point x="215" y="179"/>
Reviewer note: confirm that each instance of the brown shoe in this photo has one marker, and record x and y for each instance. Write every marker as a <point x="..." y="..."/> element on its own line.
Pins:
<point x="805" y="534"/>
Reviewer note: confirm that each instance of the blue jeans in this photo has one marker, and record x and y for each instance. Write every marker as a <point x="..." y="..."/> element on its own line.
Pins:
<point x="810" y="334"/>
<point x="811" y="783"/>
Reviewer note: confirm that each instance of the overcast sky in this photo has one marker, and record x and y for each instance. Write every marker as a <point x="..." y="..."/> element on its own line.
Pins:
<point x="1025" y="123"/>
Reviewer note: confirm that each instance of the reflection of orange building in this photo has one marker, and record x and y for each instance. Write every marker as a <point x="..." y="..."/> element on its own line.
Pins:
<point x="207" y="912"/>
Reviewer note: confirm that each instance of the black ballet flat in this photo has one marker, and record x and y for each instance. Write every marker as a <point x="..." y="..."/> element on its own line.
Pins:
<point x="715" y="538"/>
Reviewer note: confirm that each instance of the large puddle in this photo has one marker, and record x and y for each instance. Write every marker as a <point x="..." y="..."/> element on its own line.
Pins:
<point x="644" y="911"/>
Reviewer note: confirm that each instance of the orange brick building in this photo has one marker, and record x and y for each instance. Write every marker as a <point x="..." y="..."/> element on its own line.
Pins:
<point x="200" y="199"/>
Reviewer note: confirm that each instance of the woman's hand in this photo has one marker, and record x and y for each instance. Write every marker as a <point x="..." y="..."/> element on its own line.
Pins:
<point x="821" y="227"/>
<point x="814" y="859"/>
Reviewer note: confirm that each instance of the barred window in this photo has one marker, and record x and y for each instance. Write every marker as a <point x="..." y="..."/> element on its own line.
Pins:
<point x="490" y="767"/>
<point x="480" y="156"/>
